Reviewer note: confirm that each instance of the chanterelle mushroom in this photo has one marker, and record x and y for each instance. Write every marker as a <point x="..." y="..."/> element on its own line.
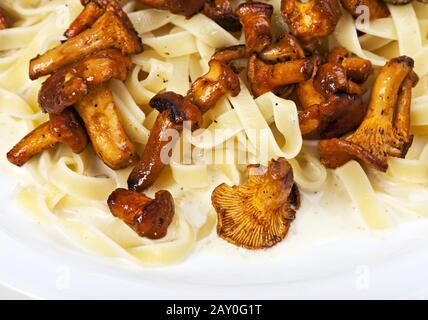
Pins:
<point x="256" y="21"/>
<point x="386" y="127"/>
<point x="375" y="8"/>
<point x="92" y="11"/>
<point x="279" y="66"/>
<point x="221" y="11"/>
<point x="312" y="20"/>
<point x="258" y="213"/>
<point x="148" y="217"/>
<point x="184" y="7"/>
<point x="332" y="102"/>
<point x="68" y="128"/>
<point x="174" y="110"/>
<point x="112" y="30"/>
<point x="3" y="20"/>
<point x="207" y="90"/>
<point x="65" y="128"/>
<point x="70" y="83"/>
<point x="266" y="77"/>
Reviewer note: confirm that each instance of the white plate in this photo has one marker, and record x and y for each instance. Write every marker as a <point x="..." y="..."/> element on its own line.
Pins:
<point x="42" y="266"/>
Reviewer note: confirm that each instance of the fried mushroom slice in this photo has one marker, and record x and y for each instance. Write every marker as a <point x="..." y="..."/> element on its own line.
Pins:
<point x="208" y="89"/>
<point x="255" y="18"/>
<point x="312" y="20"/>
<point x="93" y="9"/>
<point x="174" y="110"/>
<point x="258" y="214"/>
<point x="4" y="23"/>
<point x="70" y="83"/>
<point x="375" y="8"/>
<point x="264" y="77"/>
<point x="149" y="218"/>
<point x="221" y="11"/>
<point x="112" y="30"/>
<point x="386" y="127"/>
<point x="67" y="128"/>
<point x="105" y="128"/>
<point x="183" y="7"/>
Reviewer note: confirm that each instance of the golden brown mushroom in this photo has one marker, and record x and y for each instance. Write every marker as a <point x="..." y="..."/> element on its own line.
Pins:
<point x="376" y="8"/>
<point x="332" y="102"/>
<point x="256" y="21"/>
<point x="282" y="56"/>
<point x="112" y="30"/>
<point x="258" y="214"/>
<point x="174" y="110"/>
<point x="208" y="89"/>
<point x="4" y="23"/>
<point x="70" y="83"/>
<point x="67" y="129"/>
<point x="92" y="11"/>
<point x="332" y="117"/>
<point x="312" y="20"/>
<point x="221" y="11"/>
<point x="265" y="77"/>
<point x="229" y="54"/>
<point x="285" y="49"/>
<point x="357" y="69"/>
<point x="386" y="127"/>
<point x="104" y="125"/>
<point x="148" y="217"/>
<point x="184" y="7"/>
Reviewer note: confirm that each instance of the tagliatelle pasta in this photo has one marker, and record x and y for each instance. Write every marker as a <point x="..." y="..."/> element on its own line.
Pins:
<point x="69" y="191"/>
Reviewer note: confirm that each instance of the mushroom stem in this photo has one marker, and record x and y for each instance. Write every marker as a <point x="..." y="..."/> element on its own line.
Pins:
<point x="35" y="142"/>
<point x="174" y="110"/>
<point x="112" y="30"/>
<point x="104" y="125"/>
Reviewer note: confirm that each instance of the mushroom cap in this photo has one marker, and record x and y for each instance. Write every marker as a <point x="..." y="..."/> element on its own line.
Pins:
<point x="180" y="108"/>
<point x="207" y="90"/>
<point x="221" y="11"/>
<point x="337" y="152"/>
<point x="148" y="217"/>
<point x="258" y="213"/>
<point x="256" y="20"/>
<point x="70" y="83"/>
<point x="312" y="20"/>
